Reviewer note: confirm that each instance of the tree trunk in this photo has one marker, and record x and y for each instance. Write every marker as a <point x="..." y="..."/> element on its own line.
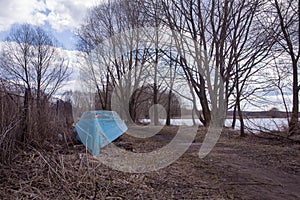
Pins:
<point x="204" y="103"/>
<point x="193" y="116"/>
<point x="240" y="113"/>
<point x="293" y="126"/>
<point x="155" y="102"/>
<point x="238" y="103"/>
<point x="155" y="90"/>
<point x="234" y="116"/>
<point x="168" y="122"/>
<point x="26" y="116"/>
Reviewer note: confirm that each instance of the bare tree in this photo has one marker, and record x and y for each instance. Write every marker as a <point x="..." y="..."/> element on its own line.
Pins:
<point x="116" y="48"/>
<point x="214" y="34"/>
<point x="280" y="79"/>
<point x="286" y="14"/>
<point x="249" y="55"/>
<point x="31" y="60"/>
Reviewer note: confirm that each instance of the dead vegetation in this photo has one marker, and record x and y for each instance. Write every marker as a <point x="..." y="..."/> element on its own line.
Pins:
<point x="242" y="168"/>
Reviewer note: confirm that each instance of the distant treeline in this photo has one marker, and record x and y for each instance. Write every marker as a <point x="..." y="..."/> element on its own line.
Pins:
<point x="273" y="113"/>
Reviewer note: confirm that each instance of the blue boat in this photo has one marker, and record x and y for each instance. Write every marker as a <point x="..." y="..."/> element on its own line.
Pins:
<point x="96" y="129"/>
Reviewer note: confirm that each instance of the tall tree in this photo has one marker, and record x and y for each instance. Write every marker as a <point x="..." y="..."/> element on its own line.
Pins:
<point x="114" y="48"/>
<point x="211" y="38"/>
<point x="287" y="36"/>
<point x="31" y="60"/>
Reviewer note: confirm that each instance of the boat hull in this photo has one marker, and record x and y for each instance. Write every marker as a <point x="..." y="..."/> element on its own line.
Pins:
<point x="96" y="129"/>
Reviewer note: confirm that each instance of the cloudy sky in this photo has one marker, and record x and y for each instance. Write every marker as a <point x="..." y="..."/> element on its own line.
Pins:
<point x="61" y="17"/>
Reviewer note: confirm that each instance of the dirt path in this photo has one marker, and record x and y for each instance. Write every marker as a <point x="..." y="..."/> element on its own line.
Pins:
<point x="249" y="168"/>
<point x="252" y="176"/>
<point x="271" y="183"/>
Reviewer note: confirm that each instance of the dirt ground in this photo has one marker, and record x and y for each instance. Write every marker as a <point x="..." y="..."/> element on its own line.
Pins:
<point x="237" y="168"/>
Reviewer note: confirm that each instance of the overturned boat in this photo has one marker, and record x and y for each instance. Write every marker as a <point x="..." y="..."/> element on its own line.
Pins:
<point x="96" y="129"/>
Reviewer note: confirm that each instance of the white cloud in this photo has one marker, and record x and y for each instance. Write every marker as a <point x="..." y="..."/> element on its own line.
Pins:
<point x="60" y="14"/>
<point x="25" y="11"/>
<point x="67" y="13"/>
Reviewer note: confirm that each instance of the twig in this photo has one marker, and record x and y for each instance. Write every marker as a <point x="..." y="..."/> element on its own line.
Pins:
<point x="253" y="183"/>
<point x="54" y="171"/>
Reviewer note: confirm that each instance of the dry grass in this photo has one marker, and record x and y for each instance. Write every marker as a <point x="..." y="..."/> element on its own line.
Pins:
<point x="69" y="172"/>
